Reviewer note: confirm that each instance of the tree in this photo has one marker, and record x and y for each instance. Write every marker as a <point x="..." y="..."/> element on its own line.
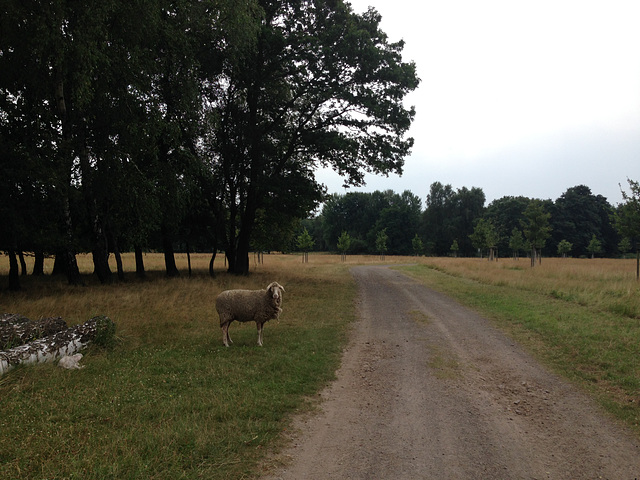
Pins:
<point x="484" y="236"/>
<point x="516" y="242"/>
<point x="564" y="247"/>
<point x="381" y="242"/>
<point x="363" y="215"/>
<point x="344" y="243"/>
<point x="399" y="219"/>
<point x="36" y="122"/>
<point x="624" y="246"/>
<point x="577" y="215"/>
<point x="322" y="86"/>
<point x="469" y="206"/>
<point x="627" y="218"/>
<point x="451" y="215"/>
<point x="305" y="243"/>
<point x="437" y="227"/>
<point x="536" y="229"/>
<point x="417" y="245"/>
<point x="595" y="246"/>
<point x="455" y="248"/>
<point x="355" y="213"/>
<point x="506" y="213"/>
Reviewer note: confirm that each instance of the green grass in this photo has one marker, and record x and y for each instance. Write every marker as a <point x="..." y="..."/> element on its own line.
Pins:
<point x="597" y="349"/>
<point x="169" y="401"/>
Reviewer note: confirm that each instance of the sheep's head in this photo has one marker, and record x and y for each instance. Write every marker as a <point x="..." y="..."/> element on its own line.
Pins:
<point x="274" y="290"/>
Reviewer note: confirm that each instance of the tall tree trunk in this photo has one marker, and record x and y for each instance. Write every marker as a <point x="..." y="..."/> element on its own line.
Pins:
<point x="248" y="216"/>
<point x="71" y="270"/>
<point x="100" y="255"/>
<point x="113" y="246"/>
<point x="14" y="276"/>
<point x="241" y="258"/>
<point x="60" y="263"/>
<point x="100" y="250"/>
<point x="23" y="264"/>
<point x="169" y="257"/>
<point x="188" y="258"/>
<point x="139" y="262"/>
<point x="66" y="156"/>
<point x="231" y="239"/>
<point x="38" y="263"/>
<point x="213" y="258"/>
<point x="119" y="267"/>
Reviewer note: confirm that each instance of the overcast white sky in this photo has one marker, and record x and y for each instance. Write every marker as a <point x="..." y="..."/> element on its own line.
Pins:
<point x="517" y="97"/>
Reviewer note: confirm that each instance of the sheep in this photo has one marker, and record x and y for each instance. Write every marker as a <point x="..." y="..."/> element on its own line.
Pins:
<point x="259" y="306"/>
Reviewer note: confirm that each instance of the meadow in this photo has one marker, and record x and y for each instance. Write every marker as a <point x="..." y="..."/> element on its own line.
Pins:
<point x="169" y="401"/>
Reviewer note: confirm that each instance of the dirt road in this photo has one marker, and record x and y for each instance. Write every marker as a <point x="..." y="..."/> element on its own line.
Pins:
<point x="429" y="390"/>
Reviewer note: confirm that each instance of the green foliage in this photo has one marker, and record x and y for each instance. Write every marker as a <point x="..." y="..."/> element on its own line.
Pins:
<point x="363" y="215"/>
<point x="417" y="245"/>
<point x="564" y="247"/>
<point x="516" y="242"/>
<point x="625" y="245"/>
<point x="536" y="228"/>
<point x="455" y="248"/>
<point x="304" y="241"/>
<point x="578" y="214"/>
<point x="451" y="215"/>
<point x="381" y="241"/>
<point x="506" y="213"/>
<point x="627" y="216"/>
<point x="305" y="244"/>
<point x="105" y="332"/>
<point x="485" y="236"/>
<point x="344" y="243"/>
<point x="595" y="246"/>
<point x="184" y="119"/>
<point x="322" y="86"/>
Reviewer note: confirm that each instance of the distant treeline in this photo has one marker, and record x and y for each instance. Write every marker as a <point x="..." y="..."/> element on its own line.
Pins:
<point x="457" y="222"/>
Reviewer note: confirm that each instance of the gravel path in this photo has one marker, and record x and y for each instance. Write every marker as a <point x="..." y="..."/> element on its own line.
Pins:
<point x="430" y="390"/>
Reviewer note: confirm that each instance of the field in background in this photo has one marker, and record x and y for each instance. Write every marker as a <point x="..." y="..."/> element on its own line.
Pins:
<point x="169" y="401"/>
<point x="603" y="284"/>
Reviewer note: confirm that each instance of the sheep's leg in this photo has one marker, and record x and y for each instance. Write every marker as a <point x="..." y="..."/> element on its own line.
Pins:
<point x="226" y="339"/>
<point x="259" y="325"/>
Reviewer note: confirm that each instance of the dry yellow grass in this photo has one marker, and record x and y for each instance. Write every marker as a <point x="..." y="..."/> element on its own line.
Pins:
<point x="605" y="284"/>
